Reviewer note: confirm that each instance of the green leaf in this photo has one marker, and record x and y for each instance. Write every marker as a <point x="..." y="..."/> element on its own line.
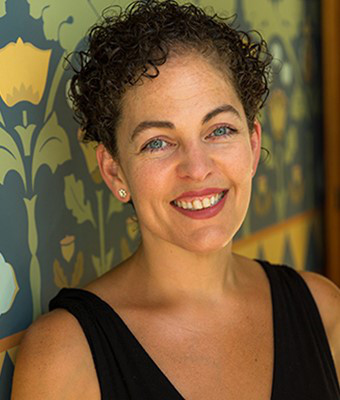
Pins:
<point x="25" y="133"/>
<point x="108" y="260"/>
<point x="271" y="18"/>
<point x="114" y="206"/>
<point x="267" y="143"/>
<point x="60" y="278"/>
<point x="298" y="104"/>
<point x="68" y="21"/>
<point x="124" y="249"/>
<point x="2" y="119"/>
<point x="102" y="266"/>
<point x="96" y="264"/>
<point x="75" y="200"/>
<point x="291" y="146"/>
<point x="2" y="8"/>
<point x="52" y="147"/>
<point x="10" y="157"/>
<point x="78" y="271"/>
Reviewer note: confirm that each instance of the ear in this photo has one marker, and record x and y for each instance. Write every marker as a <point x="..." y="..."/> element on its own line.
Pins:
<point x="255" y="140"/>
<point x="112" y="173"/>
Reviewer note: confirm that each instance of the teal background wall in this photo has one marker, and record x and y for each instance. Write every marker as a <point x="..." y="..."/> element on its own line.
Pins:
<point x="61" y="227"/>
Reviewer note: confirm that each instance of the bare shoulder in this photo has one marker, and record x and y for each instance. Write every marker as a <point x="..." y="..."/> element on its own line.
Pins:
<point x="327" y="297"/>
<point x="54" y="361"/>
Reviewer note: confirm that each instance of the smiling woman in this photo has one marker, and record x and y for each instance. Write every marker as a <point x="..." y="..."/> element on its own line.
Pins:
<point x="171" y="94"/>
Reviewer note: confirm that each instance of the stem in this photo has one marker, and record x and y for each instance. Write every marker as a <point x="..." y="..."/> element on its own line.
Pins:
<point x="99" y="194"/>
<point x="24" y="118"/>
<point x="35" y="276"/>
<point x="280" y="178"/>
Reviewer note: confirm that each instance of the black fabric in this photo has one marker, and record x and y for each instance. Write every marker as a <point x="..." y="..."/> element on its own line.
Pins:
<point x="303" y="365"/>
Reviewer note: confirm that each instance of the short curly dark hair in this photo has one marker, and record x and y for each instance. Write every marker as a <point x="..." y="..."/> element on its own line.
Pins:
<point x="131" y="44"/>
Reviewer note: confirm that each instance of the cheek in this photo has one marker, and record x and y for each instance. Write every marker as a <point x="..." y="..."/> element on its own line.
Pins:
<point x="146" y="179"/>
<point x="238" y="164"/>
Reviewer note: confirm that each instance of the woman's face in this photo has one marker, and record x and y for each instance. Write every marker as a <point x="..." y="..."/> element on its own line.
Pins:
<point x="185" y="131"/>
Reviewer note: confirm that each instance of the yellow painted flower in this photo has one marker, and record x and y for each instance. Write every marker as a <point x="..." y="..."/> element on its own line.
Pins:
<point x="91" y="159"/>
<point x="23" y="72"/>
<point x="67" y="247"/>
<point x="296" y="185"/>
<point x="278" y="113"/>
<point x="132" y="227"/>
<point x="262" y="184"/>
<point x="263" y="198"/>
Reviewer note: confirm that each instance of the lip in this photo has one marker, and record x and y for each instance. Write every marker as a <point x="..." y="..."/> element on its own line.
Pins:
<point x="189" y="196"/>
<point x="205" y="213"/>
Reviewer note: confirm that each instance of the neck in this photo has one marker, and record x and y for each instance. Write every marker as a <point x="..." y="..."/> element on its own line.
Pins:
<point x="168" y="272"/>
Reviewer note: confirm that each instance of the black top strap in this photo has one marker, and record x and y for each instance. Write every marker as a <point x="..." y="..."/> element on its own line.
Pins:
<point x="124" y="369"/>
<point x="303" y="365"/>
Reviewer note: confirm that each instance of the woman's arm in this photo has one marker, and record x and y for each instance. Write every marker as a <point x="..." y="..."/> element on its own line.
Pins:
<point x="327" y="297"/>
<point x="54" y="361"/>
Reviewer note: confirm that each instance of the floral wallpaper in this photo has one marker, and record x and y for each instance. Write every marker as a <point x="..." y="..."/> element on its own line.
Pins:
<point x="60" y="226"/>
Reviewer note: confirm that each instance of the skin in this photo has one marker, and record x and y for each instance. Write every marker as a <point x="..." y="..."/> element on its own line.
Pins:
<point x="198" y="252"/>
<point x="200" y="292"/>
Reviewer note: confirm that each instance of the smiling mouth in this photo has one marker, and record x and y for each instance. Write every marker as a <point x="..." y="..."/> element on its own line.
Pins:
<point x="197" y="204"/>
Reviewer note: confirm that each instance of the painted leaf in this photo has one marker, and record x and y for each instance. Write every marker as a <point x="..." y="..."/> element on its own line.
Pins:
<point x="114" y="206"/>
<point x="291" y="146"/>
<point x="108" y="260"/>
<point x="124" y="249"/>
<point x="78" y="270"/>
<point x="267" y="143"/>
<point x="68" y="21"/>
<point x="76" y="202"/>
<point x="132" y="228"/>
<point x="25" y="133"/>
<point x="2" y="119"/>
<point x="10" y="157"/>
<point x="223" y="7"/>
<point x="60" y="278"/>
<point x="2" y="8"/>
<point x="8" y="286"/>
<point x="52" y="147"/>
<point x="96" y="265"/>
<point x="274" y="18"/>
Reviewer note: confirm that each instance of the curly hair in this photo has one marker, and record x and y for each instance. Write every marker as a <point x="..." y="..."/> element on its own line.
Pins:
<point x="131" y="44"/>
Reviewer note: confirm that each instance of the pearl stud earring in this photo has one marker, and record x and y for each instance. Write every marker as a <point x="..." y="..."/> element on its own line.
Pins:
<point x="122" y="193"/>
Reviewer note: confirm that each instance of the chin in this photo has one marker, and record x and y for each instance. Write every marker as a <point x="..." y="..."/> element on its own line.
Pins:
<point x="206" y="242"/>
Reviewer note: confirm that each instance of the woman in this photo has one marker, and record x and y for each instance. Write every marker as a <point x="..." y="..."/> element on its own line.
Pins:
<point x="171" y="96"/>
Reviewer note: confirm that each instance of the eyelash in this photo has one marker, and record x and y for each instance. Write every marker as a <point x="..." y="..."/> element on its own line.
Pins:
<point x="230" y="131"/>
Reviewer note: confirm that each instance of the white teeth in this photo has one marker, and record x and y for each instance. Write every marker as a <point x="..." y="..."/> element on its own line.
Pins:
<point x="199" y="204"/>
<point x="206" y="202"/>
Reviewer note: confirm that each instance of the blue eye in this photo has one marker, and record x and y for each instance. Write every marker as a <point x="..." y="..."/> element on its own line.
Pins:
<point x="155" y="145"/>
<point x="223" y="131"/>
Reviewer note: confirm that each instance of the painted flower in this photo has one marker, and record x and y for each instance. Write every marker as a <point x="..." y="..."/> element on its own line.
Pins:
<point x="278" y="103"/>
<point x="296" y="184"/>
<point x="67" y="247"/>
<point x="23" y="72"/>
<point x="263" y="198"/>
<point x="89" y="152"/>
<point x="8" y="285"/>
<point x="132" y="227"/>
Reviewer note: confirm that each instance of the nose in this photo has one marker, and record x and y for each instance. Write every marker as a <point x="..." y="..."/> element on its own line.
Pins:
<point x="195" y="163"/>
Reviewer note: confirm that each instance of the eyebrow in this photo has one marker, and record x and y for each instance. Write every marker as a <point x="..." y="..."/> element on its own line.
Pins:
<point x="169" y="125"/>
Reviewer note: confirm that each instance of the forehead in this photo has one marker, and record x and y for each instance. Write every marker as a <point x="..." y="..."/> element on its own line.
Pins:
<point x="186" y="86"/>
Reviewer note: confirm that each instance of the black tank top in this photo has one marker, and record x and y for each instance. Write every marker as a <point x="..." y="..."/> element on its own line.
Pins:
<point x="303" y="364"/>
